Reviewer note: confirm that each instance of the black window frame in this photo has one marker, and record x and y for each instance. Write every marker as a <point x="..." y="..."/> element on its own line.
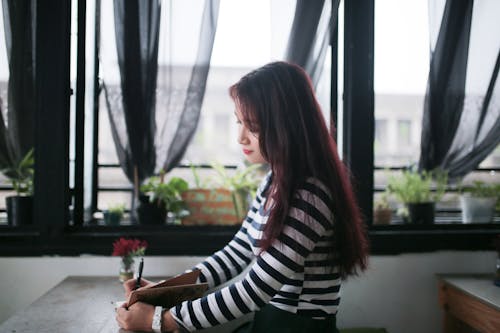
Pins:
<point x="52" y="234"/>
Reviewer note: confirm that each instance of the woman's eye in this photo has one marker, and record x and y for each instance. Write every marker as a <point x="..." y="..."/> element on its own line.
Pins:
<point x="253" y="128"/>
<point x="254" y="131"/>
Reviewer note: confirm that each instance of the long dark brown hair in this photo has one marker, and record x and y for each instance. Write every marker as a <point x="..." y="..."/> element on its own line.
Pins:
<point x="278" y="102"/>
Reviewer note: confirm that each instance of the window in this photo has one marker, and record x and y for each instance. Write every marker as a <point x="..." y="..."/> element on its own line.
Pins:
<point x="404" y="134"/>
<point x="401" y="67"/>
<point x="4" y="79"/>
<point x="381" y="135"/>
<point x="401" y="64"/>
<point x="391" y="121"/>
<point x="249" y="34"/>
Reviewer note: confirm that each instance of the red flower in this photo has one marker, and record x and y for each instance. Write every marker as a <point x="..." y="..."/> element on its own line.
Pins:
<point x="129" y="247"/>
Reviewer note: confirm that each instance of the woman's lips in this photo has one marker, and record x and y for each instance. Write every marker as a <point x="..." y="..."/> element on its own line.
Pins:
<point x="246" y="151"/>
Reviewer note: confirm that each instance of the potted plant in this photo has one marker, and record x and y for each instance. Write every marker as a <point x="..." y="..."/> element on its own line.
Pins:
<point x="114" y="214"/>
<point x="419" y="191"/>
<point x="382" y="210"/>
<point x="478" y="201"/>
<point x="223" y="199"/>
<point x="242" y="184"/>
<point x="20" y="206"/>
<point x="159" y="199"/>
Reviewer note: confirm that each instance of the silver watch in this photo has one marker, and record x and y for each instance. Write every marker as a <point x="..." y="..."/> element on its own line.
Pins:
<point x="157" y="319"/>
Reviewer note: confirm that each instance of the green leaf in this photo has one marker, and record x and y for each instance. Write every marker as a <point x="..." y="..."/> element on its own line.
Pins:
<point x="415" y="187"/>
<point x="166" y="193"/>
<point x="21" y="174"/>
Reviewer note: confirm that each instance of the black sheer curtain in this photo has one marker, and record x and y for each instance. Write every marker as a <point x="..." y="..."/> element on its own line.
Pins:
<point x="16" y="135"/>
<point x="461" y="118"/>
<point x="155" y="111"/>
<point x="137" y="31"/>
<point x="310" y="35"/>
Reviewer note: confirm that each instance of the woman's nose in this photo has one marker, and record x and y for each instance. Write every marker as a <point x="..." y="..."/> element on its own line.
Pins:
<point x="242" y="135"/>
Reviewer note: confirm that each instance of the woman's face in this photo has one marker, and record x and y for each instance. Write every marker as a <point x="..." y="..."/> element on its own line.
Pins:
<point x="248" y="140"/>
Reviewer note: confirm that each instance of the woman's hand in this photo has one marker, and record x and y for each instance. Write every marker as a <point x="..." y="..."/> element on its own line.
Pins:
<point x="138" y="317"/>
<point x="129" y="285"/>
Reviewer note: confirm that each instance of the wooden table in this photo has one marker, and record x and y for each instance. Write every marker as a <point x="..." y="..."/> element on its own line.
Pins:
<point x="471" y="303"/>
<point x="77" y="304"/>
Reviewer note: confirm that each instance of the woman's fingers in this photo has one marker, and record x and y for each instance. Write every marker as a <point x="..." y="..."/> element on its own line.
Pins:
<point x="137" y="317"/>
<point x="121" y="314"/>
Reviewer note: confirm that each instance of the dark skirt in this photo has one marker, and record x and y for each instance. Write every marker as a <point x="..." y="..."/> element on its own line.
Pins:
<point x="271" y="319"/>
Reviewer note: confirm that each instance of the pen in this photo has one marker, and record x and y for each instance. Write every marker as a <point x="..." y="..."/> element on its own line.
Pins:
<point x="141" y="266"/>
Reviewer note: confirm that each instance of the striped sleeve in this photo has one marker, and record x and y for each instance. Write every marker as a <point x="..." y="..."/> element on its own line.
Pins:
<point x="227" y="263"/>
<point x="308" y="220"/>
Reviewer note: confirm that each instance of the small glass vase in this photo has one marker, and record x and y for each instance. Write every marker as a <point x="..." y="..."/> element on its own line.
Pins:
<point x="126" y="269"/>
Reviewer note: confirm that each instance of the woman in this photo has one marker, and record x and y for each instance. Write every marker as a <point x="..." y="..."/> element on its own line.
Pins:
<point x="304" y="228"/>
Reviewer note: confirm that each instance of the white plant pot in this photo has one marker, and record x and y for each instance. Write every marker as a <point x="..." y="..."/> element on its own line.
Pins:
<point x="477" y="209"/>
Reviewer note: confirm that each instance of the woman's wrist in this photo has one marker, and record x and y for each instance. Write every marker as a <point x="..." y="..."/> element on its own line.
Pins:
<point x="168" y="323"/>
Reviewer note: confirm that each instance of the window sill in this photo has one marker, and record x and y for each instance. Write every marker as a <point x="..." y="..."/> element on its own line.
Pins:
<point x="204" y="240"/>
<point x="406" y="238"/>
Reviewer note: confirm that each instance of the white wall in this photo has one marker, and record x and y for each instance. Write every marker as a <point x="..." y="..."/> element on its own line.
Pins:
<point x="397" y="292"/>
<point x="400" y="292"/>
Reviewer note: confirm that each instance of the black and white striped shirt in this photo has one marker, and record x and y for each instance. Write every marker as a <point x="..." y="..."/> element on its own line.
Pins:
<point x="295" y="274"/>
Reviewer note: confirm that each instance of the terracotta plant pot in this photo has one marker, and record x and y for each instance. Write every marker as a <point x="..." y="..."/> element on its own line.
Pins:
<point x="213" y="206"/>
<point x="382" y="216"/>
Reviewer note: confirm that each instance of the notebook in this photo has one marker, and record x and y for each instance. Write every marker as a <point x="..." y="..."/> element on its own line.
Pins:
<point x="171" y="292"/>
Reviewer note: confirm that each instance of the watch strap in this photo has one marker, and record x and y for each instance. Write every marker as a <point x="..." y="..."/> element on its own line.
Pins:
<point x="157" y="319"/>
